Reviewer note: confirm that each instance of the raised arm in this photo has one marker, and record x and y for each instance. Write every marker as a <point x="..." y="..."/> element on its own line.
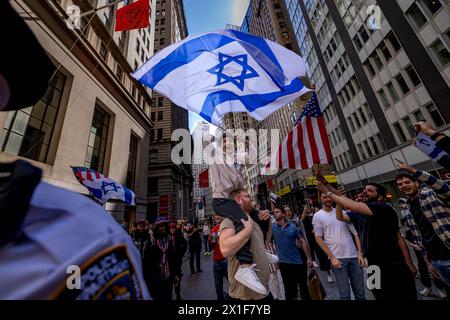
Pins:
<point x="347" y="203"/>
<point x="439" y="186"/>
<point x="340" y="215"/>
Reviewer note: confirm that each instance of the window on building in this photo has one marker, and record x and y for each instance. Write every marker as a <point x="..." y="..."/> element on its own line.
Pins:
<point x="367" y="110"/>
<point x="416" y="16"/>
<point x="394" y="42"/>
<point x="384" y="49"/>
<point x="419" y="116"/>
<point x="118" y="72"/>
<point x="361" y="152"/>
<point x="374" y="145"/>
<point x="160" y="102"/>
<point x="357" y="42"/>
<point x="363" y="116"/>
<point x="103" y="51"/>
<point x="138" y="46"/>
<point x="162" y="41"/>
<point x="409" y="126"/>
<point x="152" y="187"/>
<point x="398" y="129"/>
<point x="363" y="33"/>
<point x="369" y="68"/>
<point x="152" y="117"/>
<point x="381" y="141"/>
<point x="132" y="161"/>
<point x="159" y="136"/>
<point x="435" y="115"/>
<point x="441" y="52"/>
<point x="392" y="91"/>
<point x="383" y="98"/>
<point x="98" y="138"/>
<point x="352" y="126"/>
<point x="369" y="151"/>
<point x="432" y="5"/>
<point x="415" y="80"/>
<point x="152" y="135"/>
<point x="163" y="21"/>
<point x="160" y="115"/>
<point x="358" y="123"/>
<point x="29" y="132"/>
<point x="402" y="83"/>
<point x="376" y="59"/>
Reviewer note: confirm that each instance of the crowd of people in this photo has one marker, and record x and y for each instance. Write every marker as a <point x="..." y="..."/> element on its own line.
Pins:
<point x="336" y="233"/>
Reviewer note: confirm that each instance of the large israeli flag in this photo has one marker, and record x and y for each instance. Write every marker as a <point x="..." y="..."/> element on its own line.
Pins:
<point x="224" y="71"/>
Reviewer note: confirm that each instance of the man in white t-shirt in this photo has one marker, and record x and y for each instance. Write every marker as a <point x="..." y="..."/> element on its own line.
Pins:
<point x="335" y="239"/>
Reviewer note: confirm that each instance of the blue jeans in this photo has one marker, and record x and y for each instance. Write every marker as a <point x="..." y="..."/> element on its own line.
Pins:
<point x="350" y="274"/>
<point x="220" y="271"/>
<point x="443" y="268"/>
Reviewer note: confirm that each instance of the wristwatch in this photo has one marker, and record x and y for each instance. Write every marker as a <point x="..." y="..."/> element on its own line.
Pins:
<point x="329" y="193"/>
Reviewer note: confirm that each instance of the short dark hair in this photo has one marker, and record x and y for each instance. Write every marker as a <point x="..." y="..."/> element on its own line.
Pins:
<point x="381" y="191"/>
<point x="405" y="175"/>
<point x="280" y="208"/>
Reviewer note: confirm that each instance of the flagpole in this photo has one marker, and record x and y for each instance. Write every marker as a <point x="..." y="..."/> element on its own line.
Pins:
<point x="100" y="8"/>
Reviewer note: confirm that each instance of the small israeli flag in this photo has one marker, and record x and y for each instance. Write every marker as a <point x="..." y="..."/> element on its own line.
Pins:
<point x="224" y="71"/>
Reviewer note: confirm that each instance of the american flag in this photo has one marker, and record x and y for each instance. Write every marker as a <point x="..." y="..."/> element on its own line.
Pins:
<point x="307" y="144"/>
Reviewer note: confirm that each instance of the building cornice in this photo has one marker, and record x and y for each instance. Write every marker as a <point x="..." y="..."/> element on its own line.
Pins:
<point x="51" y="12"/>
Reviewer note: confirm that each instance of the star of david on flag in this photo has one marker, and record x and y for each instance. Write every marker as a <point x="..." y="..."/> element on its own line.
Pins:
<point x="224" y="71"/>
<point x="103" y="188"/>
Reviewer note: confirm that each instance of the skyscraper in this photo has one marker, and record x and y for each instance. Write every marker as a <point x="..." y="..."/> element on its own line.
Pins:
<point x="170" y="185"/>
<point x="200" y="164"/>
<point x="379" y="66"/>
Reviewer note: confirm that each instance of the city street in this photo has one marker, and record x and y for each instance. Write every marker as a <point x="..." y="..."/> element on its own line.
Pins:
<point x="200" y="286"/>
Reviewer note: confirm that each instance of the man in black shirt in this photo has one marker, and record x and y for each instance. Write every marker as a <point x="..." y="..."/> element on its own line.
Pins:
<point x="385" y="246"/>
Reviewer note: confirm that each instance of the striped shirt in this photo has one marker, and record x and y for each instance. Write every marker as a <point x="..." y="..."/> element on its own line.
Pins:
<point x="435" y="205"/>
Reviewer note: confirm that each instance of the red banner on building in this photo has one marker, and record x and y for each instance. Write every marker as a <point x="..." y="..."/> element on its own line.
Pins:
<point x="133" y="16"/>
<point x="270" y="184"/>
<point x="203" y="180"/>
<point x="164" y="205"/>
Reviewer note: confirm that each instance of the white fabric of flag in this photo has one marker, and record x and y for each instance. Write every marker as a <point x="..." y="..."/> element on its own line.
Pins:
<point x="224" y="71"/>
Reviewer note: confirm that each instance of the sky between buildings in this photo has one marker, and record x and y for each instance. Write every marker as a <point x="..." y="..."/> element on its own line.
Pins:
<point x="209" y="15"/>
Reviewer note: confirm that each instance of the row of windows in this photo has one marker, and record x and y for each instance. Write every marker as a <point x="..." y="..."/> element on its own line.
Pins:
<point x="330" y="113"/>
<point x="359" y="118"/>
<point x="156" y="135"/>
<point x="370" y="147"/>
<point x="387" y="48"/>
<point x="343" y="161"/>
<point x="350" y="89"/>
<point x="336" y="136"/>
<point x="340" y="67"/>
<point x="401" y="83"/>
<point x="419" y="14"/>
<point x="160" y="116"/>
<point x="404" y="127"/>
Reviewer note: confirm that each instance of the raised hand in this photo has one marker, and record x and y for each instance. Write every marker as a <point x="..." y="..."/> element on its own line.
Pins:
<point x="425" y="127"/>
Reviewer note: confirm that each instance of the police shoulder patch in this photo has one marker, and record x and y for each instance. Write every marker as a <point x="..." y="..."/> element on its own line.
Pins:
<point x="109" y="275"/>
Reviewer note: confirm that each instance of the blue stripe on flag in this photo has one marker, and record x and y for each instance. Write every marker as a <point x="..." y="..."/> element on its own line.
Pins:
<point x="251" y="101"/>
<point x="128" y="196"/>
<point x="267" y="60"/>
<point x="182" y="55"/>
